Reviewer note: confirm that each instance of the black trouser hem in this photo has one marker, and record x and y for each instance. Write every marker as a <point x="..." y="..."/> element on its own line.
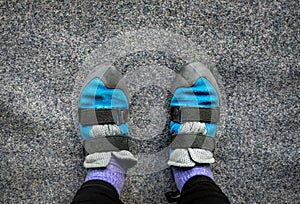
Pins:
<point x="202" y="190"/>
<point x="96" y="191"/>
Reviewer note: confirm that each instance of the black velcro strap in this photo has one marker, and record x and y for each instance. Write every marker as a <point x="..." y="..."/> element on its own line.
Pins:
<point x="194" y="114"/>
<point x="88" y="116"/>
<point x="106" y="144"/>
<point x="184" y="141"/>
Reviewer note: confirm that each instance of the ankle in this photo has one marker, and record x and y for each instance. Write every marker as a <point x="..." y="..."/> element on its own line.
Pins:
<point x="182" y="175"/>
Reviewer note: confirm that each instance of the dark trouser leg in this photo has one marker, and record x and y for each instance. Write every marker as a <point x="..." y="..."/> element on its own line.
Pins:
<point x="96" y="192"/>
<point x="202" y="190"/>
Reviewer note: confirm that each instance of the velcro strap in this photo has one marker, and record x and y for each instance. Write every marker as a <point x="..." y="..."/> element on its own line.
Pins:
<point x="88" y="116"/>
<point x="184" y="141"/>
<point x="194" y="114"/>
<point x="106" y="144"/>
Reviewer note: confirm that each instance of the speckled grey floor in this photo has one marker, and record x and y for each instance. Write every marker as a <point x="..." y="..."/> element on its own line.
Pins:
<point x="253" y="45"/>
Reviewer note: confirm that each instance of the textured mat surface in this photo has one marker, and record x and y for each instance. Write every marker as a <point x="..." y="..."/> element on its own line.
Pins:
<point x="252" y="44"/>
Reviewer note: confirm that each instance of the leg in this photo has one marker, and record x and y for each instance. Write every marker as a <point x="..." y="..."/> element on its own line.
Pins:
<point x="104" y="130"/>
<point x="95" y="192"/>
<point x="195" y="112"/>
<point x="202" y="190"/>
<point x="102" y="185"/>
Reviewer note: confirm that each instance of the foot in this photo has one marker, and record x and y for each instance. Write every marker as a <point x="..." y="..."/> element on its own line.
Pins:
<point x="194" y="116"/>
<point x="103" y="111"/>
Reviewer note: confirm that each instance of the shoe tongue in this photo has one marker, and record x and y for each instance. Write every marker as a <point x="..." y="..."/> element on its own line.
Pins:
<point x="105" y="130"/>
<point x="193" y="127"/>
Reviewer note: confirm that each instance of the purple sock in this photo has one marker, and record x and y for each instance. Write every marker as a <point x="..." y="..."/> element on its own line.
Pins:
<point x="183" y="174"/>
<point x="113" y="174"/>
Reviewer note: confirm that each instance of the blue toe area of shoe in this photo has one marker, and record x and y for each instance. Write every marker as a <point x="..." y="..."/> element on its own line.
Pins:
<point x="96" y="95"/>
<point x="203" y="95"/>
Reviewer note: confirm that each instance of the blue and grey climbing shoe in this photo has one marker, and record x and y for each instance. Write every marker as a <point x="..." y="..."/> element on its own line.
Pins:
<point x="103" y="112"/>
<point x="195" y="113"/>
